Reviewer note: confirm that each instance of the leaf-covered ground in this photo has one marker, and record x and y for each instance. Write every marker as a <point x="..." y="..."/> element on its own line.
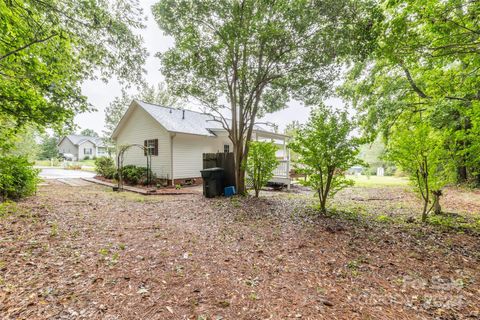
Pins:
<point x="89" y="253"/>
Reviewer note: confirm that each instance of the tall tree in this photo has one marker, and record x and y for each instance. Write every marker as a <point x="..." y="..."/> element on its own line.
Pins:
<point x="48" y="147"/>
<point x="89" y="133"/>
<point x="48" y="47"/>
<point x="116" y="109"/>
<point x="426" y="60"/>
<point x="242" y="59"/>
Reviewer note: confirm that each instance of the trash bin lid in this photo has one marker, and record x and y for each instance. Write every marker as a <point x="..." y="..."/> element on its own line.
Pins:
<point x="211" y="172"/>
<point x="212" y="169"/>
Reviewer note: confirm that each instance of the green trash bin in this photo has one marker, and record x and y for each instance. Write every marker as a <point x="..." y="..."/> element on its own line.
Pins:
<point x="212" y="182"/>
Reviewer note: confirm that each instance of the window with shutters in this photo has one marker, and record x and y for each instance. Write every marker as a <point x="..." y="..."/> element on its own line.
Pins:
<point x="151" y="146"/>
<point x="226" y="148"/>
<point x="87" y="151"/>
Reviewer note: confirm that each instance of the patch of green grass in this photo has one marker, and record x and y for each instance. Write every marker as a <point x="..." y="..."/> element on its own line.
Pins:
<point x="454" y="222"/>
<point x="54" y="229"/>
<point x="383" y="218"/>
<point x="136" y="197"/>
<point x="104" y="252"/>
<point x="89" y="162"/>
<point x="47" y="163"/>
<point x="7" y="208"/>
<point x="109" y="256"/>
<point x="235" y="202"/>
<point x="377" y="181"/>
<point x="253" y="296"/>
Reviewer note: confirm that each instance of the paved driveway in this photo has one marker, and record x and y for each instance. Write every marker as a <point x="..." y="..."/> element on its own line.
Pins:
<point x="58" y="173"/>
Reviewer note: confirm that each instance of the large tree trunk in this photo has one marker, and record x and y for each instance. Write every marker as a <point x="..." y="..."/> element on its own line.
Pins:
<point x="239" y="169"/>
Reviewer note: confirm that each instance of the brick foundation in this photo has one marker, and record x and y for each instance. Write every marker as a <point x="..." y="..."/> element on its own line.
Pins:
<point x="187" y="181"/>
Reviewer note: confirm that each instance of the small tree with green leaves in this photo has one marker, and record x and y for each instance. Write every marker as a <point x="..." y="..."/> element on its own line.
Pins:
<point x="418" y="150"/>
<point x="261" y="163"/>
<point x="326" y="150"/>
<point x="48" y="147"/>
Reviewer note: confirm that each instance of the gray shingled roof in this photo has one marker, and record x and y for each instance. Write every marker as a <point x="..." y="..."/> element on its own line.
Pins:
<point x="78" y="139"/>
<point x="193" y="123"/>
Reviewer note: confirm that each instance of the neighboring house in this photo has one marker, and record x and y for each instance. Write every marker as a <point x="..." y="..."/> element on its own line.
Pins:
<point x="82" y="146"/>
<point x="178" y="139"/>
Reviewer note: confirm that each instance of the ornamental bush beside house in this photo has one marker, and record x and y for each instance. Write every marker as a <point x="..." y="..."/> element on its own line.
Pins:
<point x="261" y="163"/>
<point x="326" y="150"/>
<point x="105" y="167"/>
<point x="18" y="178"/>
<point x="134" y="175"/>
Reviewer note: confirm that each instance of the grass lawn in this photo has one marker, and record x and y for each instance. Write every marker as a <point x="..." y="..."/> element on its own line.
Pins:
<point x="90" y="253"/>
<point x="377" y="181"/>
<point x="89" y="162"/>
<point x="47" y="163"/>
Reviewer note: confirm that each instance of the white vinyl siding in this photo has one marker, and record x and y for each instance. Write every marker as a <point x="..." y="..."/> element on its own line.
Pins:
<point x="188" y="153"/>
<point x="84" y="148"/>
<point x="138" y="127"/>
<point x="66" y="146"/>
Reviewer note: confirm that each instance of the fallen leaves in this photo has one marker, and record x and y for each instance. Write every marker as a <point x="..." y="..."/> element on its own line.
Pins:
<point x="186" y="257"/>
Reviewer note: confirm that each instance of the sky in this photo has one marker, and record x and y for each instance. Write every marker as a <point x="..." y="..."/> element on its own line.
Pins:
<point x="100" y="94"/>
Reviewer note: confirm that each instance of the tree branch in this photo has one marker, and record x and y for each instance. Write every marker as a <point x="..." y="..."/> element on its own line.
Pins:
<point x="412" y="83"/>
<point x="28" y="45"/>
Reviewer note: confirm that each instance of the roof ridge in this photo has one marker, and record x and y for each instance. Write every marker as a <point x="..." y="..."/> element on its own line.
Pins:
<point x="173" y="108"/>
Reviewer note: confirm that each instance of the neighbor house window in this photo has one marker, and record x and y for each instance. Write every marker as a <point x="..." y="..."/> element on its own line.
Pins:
<point x="151" y="147"/>
<point x="87" y="151"/>
<point x="226" y="148"/>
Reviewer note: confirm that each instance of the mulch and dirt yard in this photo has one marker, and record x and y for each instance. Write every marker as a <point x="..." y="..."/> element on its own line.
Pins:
<point x="90" y="253"/>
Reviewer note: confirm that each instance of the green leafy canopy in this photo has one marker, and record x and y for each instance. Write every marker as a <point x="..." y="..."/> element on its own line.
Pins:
<point x="242" y="59"/>
<point x="426" y="60"/>
<point x="48" y="47"/>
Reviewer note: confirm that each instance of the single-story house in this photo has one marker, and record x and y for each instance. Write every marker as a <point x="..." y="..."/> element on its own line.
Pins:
<point x="82" y="146"/>
<point x="178" y="139"/>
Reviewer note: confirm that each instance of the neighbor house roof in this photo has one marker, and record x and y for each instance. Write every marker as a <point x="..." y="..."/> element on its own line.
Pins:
<point x="79" y="139"/>
<point x="181" y="120"/>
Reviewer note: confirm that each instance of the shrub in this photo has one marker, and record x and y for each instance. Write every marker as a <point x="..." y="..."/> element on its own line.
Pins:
<point x="132" y="175"/>
<point x="326" y="149"/>
<point x="86" y="158"/>
<point x="261" y="163"/>
<point x="17" y="177"/>
<point x="105" y="167"/>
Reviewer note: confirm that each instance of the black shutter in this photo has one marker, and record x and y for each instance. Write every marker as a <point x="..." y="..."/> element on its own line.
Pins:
<point x="155" y="152"/>
<point x="145" y="145"/>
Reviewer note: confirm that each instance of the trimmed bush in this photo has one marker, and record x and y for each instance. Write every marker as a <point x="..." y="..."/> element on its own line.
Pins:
<point x="135" y="175"/>
<point x="18" y="178"/>
<point x="105" y="167"/>
<point x="261" y="163"/>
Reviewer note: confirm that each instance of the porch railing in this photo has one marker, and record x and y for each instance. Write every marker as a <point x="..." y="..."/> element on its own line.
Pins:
<point x="283" y="169"/>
